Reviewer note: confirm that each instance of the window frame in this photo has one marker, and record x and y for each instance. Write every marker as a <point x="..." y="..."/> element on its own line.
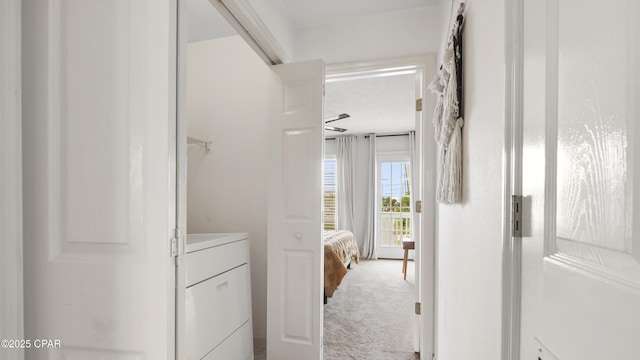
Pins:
<point x="324" y="191"/>
<point x="391" y="157"/>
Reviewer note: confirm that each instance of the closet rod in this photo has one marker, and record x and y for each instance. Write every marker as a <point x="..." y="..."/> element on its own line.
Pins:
<point x="194" y="141"/>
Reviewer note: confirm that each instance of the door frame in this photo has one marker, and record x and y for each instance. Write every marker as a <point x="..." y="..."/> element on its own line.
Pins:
<point x="181" y="37"/>
<point x="512" y="178"/>
<point x="247" y="23"/>
<point x="12" y="326"/>
<point x="426" y="264"/>
<point x="252" y="29"/>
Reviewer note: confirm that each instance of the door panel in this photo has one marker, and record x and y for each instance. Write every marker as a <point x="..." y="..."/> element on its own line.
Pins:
<point x="90" y="129"/>
<point x="297" y="148"/>
<point x="99" y="124"/>
<point x="581" y="270"/>
<point x="294" y="296"/>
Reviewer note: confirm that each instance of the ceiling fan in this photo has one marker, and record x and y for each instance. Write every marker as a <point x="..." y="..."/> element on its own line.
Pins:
<point x="335" y="118"/>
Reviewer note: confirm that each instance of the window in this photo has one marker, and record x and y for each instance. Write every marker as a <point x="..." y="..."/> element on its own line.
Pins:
<point x="329" y="186"/>
<point x="395" y="203"/>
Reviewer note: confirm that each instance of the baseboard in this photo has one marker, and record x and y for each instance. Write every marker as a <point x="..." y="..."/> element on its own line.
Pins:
<point x="259" y="348"/>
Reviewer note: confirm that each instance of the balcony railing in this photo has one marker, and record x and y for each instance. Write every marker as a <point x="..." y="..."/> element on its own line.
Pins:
<point x="393" y="228"/>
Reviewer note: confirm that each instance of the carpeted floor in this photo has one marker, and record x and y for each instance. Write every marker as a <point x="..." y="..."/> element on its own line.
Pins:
<point x="370" y="316"/>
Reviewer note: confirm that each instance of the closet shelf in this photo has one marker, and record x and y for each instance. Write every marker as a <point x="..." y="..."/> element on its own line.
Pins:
<point x="203" y="143"/>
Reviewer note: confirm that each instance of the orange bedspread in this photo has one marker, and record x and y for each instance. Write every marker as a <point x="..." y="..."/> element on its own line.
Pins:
<point x="340" y="247"/>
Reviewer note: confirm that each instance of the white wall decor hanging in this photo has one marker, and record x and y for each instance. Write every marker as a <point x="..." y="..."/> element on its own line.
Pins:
<point x="448" y="116"/>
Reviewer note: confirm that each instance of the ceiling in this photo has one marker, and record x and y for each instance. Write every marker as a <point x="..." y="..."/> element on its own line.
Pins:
<point x="206" y="23"/>
<point x="307" y="13"/>
<point x="381" y="105"/>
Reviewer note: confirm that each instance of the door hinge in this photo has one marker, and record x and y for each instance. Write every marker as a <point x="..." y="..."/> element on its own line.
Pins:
<point x="174" y="246"/>
<point x="178" y="245"/>
<point x="516" y="215"/>
<point x="419" y="206"/>
<point x="417" y="309"/>
<point x="418" y="104"/>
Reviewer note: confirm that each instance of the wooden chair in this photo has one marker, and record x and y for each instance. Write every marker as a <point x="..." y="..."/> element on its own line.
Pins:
<point x="407" y="245"/>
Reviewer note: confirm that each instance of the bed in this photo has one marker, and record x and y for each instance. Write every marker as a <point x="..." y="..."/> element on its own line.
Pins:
<point x="340" y="248"/>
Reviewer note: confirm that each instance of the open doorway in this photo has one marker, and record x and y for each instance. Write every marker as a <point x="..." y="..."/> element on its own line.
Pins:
<point x="380" y="100"/>
<point x="250" y="141"/>
<point x="235" y="195"/>
<point x="221" y="152"/>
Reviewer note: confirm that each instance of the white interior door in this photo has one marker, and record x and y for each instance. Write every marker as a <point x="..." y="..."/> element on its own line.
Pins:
<point x="99" y="178"/>
<point x="295" y="258"/>
<point x="581" y="264"/>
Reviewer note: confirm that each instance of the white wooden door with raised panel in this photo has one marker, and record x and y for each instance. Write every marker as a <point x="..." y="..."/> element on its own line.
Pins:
<point x="99" y="177"/>
<point x="581" y="265"/>
<point x="295" y="258"/>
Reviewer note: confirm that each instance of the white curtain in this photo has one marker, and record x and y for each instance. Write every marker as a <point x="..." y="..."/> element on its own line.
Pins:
<point x="369" y="246"/>
<point x="346" y="170"/>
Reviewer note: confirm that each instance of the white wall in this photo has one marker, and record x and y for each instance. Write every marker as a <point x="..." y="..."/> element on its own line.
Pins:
<point x="396" y="34"/>
<point x="470" y="235"/>
<point x="228" y="102"/>
<point x="383" y="144"/>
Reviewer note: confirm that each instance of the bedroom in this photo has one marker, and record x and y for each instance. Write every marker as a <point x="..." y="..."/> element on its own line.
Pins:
<point x="374" y="293"/>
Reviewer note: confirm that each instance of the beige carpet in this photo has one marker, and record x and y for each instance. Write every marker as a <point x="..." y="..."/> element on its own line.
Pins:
<point x="371" y="314"/>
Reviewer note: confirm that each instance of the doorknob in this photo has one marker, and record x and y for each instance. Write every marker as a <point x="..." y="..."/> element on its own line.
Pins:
<point x="298" y="235"/>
